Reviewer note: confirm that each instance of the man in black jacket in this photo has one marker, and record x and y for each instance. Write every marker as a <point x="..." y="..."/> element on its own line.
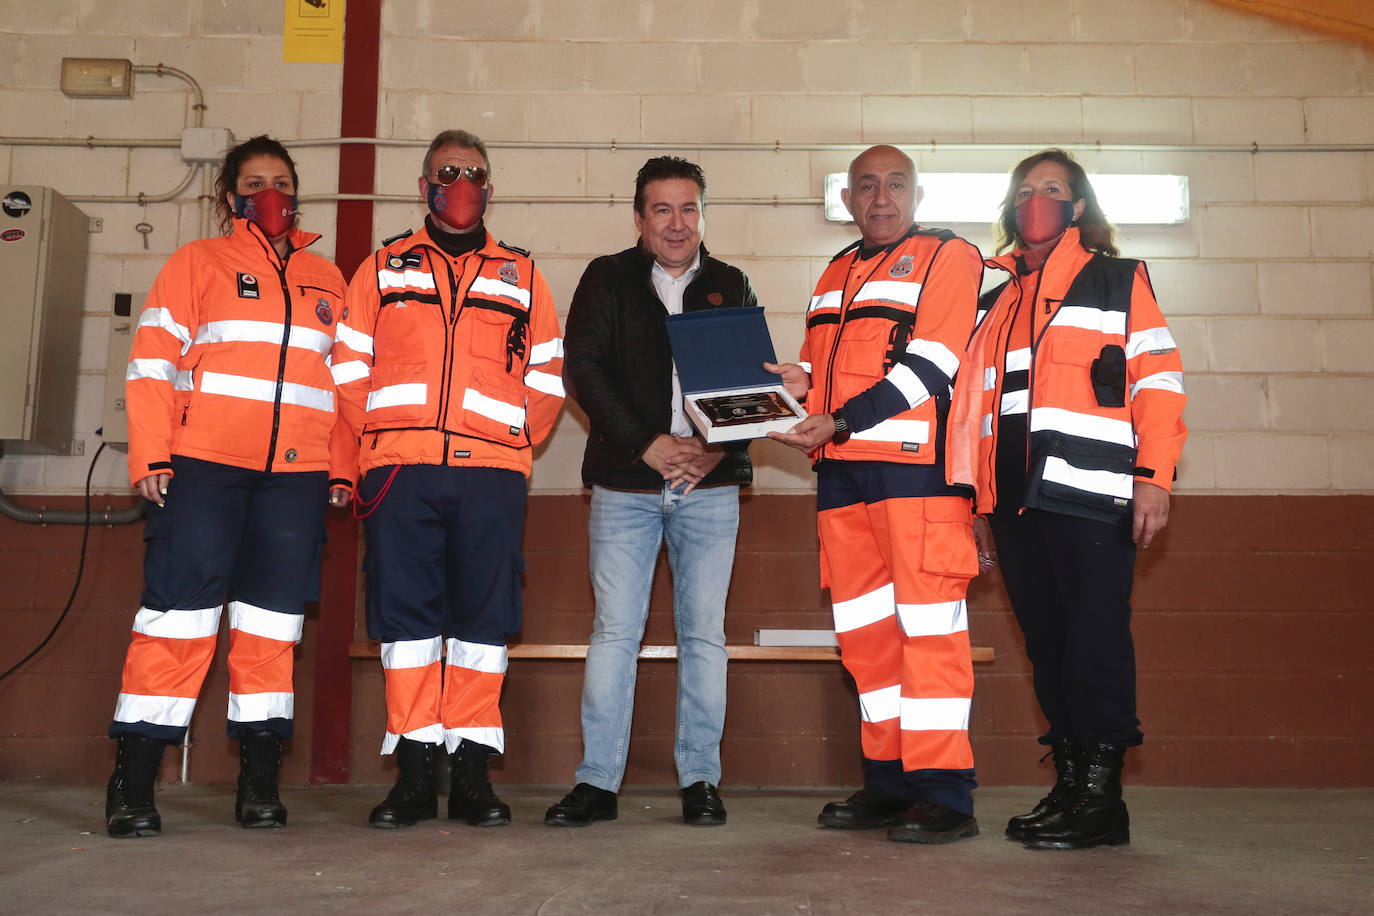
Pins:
<point x="652" y="481"/>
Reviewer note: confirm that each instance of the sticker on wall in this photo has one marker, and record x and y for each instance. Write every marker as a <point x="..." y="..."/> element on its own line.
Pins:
<point x="11" y="235"/>
<point x="313" y="32"/>
<point x="16" y="204"/>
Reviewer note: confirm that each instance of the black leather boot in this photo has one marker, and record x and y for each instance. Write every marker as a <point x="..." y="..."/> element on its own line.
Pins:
<point x="257" y="803"/>
<point x="129" y="807"/>
<point x="866" y="809"/>
<point x="1096" y="815"/>
<point x="1068" y="768"/>
<point x="471" y="798"/>
<point x="412" y="798"/>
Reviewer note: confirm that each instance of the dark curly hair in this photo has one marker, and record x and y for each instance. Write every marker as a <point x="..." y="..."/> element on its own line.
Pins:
<point x="663" y="167"/>
<point x="227" y="181"/>
<point x="1094" y="231"/>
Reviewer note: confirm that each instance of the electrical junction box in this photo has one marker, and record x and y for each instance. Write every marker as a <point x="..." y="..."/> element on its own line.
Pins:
<point x="114" y="424"/>
<point x="205" y="144"/>
<point x="43" y="244"/>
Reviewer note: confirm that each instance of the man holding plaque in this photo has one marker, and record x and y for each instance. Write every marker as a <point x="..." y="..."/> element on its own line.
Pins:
<point x="652" y="481"/>
<point x="884" y="333"/>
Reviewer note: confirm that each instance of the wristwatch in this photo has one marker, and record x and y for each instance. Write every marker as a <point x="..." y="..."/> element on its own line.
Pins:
<point x="841" y="427"/>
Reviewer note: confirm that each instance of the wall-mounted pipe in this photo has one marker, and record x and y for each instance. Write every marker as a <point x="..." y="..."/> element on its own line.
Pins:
<point x="45" y="516"/>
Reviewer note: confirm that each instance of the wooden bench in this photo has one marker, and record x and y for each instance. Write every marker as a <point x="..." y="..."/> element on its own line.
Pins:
<point x="369" y="649"/>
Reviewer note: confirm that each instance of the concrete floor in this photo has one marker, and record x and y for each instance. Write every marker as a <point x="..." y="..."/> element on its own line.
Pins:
<point x="1216" y="851"/>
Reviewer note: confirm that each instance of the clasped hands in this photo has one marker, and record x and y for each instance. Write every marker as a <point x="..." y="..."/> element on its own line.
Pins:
<point x="682" y="460"/>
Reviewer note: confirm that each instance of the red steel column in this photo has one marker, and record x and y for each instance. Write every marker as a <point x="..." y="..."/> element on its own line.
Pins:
<point x="333" y="711"/>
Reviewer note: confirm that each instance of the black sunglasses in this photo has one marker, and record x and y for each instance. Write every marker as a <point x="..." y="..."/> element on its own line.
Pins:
<point x="448" y="174"/>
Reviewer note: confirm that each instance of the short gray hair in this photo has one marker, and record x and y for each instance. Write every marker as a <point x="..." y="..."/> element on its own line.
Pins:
<point x="463" y="138"/>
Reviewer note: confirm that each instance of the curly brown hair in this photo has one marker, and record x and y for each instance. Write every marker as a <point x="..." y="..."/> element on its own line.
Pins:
<point x="227" y="181"/>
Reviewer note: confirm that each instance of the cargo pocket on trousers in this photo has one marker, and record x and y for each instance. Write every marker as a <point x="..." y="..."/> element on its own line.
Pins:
<point x="947" y="545"/>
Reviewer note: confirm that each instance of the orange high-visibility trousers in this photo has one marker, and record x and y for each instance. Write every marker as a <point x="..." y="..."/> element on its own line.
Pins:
<point x="898" y="570"/>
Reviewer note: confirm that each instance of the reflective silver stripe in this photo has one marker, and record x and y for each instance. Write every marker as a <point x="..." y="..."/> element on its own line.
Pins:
<point x="354" y="339"/>
<point x="939" y="619"/>
<point x="987" y="426"/>
<point x="882" y="704"/>
<point x="1018" y="360"/>
<point x="162" y="318"/>
<point x="477" y="656"/>
<point x="889" y="291"/>
<point x="177" y="624"/>
<point x="545" y="382"/>
<point x="500" y="289"/>
<point x="500" y="411"/>
<point x="243" y="331"/>
<point x="805" y="367"/>
<point x="989" y="378"/>
<point x="350" y="371"/>
<point x="159" y="369"/>
<point x="1149" y="339"/>
<point x="831" y="300"/>
<point x="428" y="734"/>
<point x="259" y="707"/>
<point x="935" y="714"/>
<point x="863" y="610"/>
<point x="1106" y="321"/>
<point x="1103" y="429"/>
<point x="897" y="431"/>
<point x="259" y="389"/>
<point x="173" y="711"/>
<point x="248" y="618"/>
<point x="1107" y="483"/>
<point x="1014" y="402"/>
<point x="403" y="279"/>
<point x="939" y="355"/>
<point x="542" y="353"/>
<point x="909" y="384"/>
<point x="1160" y="381"/>
<point x="186" y="380"/>
<point x="398" y="395"/>
<point x="411" y="653"/>
<point x="492" y="736"/>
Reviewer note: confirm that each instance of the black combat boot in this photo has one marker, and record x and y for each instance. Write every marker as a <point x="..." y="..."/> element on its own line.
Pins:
<point x="471" y="798"/>
<point x="412" y="798"/>
<point x="866" y="809"/>
<point x="1096" y="815"/>
<point x="129" y="807"/>
<point x="1068" y="767"/>
<point x="257" y="803"/>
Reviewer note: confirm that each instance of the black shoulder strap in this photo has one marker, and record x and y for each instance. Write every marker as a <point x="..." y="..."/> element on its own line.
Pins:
<point x="397" y="237"/>
<point x="509" y="247"/>
<point x="847" y="249"/>
<point x="943" y="235"/>
<point x="1104" y="281"/>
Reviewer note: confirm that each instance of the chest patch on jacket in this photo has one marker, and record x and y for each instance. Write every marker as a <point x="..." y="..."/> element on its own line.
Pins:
<point x="248" y="287"/>
<point x="509" y="272"/>
<point x="902" y="267"/>
<point x="324" y="312"/>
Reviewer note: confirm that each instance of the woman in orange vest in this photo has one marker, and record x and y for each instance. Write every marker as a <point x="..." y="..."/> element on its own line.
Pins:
<point x="1069" y="404"/>
<point x="231" y="414"/>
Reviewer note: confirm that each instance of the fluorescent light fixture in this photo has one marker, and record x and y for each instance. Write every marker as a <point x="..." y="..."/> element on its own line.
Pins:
<point x="97" y="78"/>
<point x="976" y="197"/>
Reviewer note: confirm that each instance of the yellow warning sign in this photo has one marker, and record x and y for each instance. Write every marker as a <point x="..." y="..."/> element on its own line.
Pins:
<point x="313" y="32"/>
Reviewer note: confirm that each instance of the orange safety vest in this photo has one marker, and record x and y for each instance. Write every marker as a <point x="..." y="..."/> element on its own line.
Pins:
<point x="919" y="297"/>
<point x="229" y="362"/>
<point x="1106" y="396"/>
<point x="449" y="361"/>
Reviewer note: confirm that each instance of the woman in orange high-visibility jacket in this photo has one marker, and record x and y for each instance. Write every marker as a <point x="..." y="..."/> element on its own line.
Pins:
<point x="231" y="425"/>
<point x="1068" y="421"/>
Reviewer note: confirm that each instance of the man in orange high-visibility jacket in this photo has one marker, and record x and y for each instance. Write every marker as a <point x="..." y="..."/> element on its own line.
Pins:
<point x="884" y="333"/>
<point x="449" y="369"/>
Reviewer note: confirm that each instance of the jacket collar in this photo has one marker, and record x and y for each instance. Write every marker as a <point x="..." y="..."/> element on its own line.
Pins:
<point x="422" y="237"/>
<point x="1068" y="252"/>
<point x="245" y="232"/>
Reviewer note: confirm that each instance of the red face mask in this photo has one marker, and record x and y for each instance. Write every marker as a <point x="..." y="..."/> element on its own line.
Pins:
<point x="274" y="211"/>
<point x="460" y="204"/>
<point x="1041" y="219"/>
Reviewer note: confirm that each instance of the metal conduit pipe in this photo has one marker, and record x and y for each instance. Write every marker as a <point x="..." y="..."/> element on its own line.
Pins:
<point x="45" y="516"/>
<point x="140" y="198"/>
<point x="198" y="108"/>
<point x="605" y="199"/>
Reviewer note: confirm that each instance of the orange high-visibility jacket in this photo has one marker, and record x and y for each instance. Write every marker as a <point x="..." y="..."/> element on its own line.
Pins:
<point x="449" y="361"/>
<point x="229" y="362"/>
<point x="891" y="329"/>
<point x="1105" y="399"/>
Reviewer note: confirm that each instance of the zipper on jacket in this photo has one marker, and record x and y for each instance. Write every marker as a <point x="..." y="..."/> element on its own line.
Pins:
<point x="281" y="367"/>
<point x="306" y="286"/>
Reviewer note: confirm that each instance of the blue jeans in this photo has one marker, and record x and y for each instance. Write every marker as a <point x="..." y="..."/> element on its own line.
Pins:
<point x="627" y="529"/>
